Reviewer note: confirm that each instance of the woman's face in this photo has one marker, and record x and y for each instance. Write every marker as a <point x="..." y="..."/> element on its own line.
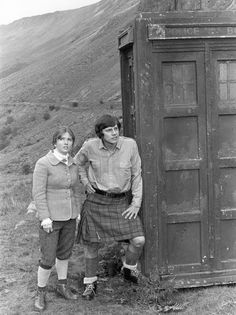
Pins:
<point x="64" y="145"/>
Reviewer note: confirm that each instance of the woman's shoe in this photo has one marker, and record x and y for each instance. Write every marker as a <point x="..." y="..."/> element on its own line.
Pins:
<point x="40" y="300"/>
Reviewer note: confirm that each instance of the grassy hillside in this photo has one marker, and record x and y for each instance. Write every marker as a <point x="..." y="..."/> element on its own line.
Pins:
<point x="58" y="68"/>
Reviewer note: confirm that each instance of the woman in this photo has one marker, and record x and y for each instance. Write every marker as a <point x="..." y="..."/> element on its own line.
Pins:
<point x="56" y="195"/>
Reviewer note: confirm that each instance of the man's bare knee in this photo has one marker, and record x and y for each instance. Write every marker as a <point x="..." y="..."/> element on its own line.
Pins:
<point x="138" y="241"/>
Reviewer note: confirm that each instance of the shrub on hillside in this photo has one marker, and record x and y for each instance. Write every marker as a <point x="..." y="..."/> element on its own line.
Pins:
<point x="26" y="169"/>
<point x="46" y="116"/>
<point x="51" y="107"/>
<point x="75" y="104"/>
<point x="10" y="119"/>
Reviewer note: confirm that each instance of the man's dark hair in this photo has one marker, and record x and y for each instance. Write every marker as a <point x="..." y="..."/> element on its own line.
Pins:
<point x="104" y="122"/>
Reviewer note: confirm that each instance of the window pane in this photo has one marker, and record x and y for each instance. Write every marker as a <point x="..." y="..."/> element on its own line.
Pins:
<point x="223" y="92"/>
<point x="223" y="71"/>
<point x="181" y="76"/>
<point x="232" y="71"/>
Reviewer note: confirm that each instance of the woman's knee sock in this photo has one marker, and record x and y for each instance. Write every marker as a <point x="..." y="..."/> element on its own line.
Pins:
<point x="43" y="276"/>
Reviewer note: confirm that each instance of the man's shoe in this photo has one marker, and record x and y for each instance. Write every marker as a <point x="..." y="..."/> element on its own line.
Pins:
<point x="90" y="291"/>
<point x="65" y="292"/>
<point x="40" y="301"/>
<point x="130" y="275"/>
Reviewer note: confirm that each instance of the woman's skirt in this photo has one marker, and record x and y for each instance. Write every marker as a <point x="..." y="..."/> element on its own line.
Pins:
<point x="102" y="220"/>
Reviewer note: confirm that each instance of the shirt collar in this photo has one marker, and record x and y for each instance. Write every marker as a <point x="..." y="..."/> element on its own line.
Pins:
<point x="54" y="160"/>
<point x="102" y="146"/>
<point x="60" y="156"/>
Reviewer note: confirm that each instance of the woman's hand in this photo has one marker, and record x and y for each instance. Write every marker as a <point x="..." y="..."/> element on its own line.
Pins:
<point x="131" y="212"/>
<point x="47" y="225"/>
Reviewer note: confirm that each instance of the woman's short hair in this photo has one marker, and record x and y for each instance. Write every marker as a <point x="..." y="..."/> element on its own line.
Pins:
<point x="104" y="122"/>
<point x="60" y="132"/>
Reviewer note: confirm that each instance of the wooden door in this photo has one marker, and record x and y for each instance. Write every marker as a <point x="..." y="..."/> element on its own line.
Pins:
<point x="223" y="161"/>
<point x="183" y="178"/>
<point x="197" y="170"/>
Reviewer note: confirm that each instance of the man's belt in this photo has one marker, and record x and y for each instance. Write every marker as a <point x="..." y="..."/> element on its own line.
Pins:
<point x="108" y="194"/>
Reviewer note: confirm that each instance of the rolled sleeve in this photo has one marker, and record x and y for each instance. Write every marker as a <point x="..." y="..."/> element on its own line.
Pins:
<point x="82" y="160"/>
<point x="136" y="178"/>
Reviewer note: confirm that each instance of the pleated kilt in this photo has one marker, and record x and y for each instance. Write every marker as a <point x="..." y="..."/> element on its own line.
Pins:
<point x="101" y="220"/>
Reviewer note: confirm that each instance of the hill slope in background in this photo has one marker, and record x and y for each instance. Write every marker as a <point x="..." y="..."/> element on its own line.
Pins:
<point x="48" y="62"/>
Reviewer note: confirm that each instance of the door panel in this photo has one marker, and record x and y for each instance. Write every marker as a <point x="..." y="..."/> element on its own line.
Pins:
<point x="224" y="158"/>
<point x="184" y="222"/>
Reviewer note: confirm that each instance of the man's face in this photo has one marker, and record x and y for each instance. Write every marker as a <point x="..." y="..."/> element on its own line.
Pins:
<point x="111" y="134"/>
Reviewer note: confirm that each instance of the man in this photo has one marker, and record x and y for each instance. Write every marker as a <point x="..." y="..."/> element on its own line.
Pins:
<point x="110" y="169"/>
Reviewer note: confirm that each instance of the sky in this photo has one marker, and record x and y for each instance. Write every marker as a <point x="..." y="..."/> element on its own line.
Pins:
<point x="11" y="10"/>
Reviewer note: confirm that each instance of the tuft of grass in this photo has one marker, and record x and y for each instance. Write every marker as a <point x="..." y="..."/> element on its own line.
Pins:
<point x="110" y="260"/>
<point x="15" y="199"/>
<point x="149" y="294"/>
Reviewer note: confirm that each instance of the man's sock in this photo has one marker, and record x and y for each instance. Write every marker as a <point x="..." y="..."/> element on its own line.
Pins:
<point x="62" y="268"/>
